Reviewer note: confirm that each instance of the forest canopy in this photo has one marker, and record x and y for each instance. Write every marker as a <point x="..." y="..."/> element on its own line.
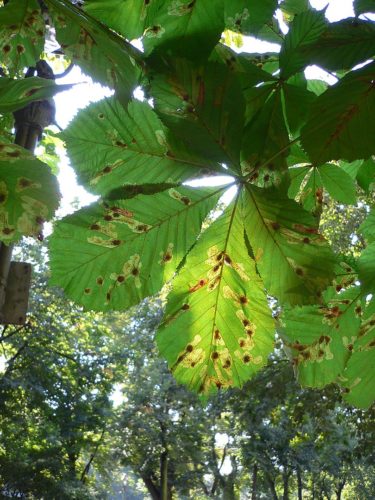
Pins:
<point x="297" y="150"/>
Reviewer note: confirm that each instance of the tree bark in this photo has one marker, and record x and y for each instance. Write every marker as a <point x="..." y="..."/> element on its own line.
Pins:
<point x="254" y="482"/>
<point x="299" y="483"/>
<point x="285" y="485"/>
<point x="164" y="475"/>
<point x="152" y="489"/>
<point x="271" y="484"/>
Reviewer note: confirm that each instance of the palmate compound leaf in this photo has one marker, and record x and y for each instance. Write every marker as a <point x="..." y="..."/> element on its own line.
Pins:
<point x="112" y="255"/>
<point x="358" y="377"/>
<point x="21" y="34"/>
<point x="106" y="56"/>
<point x="293" y="259"/>
<point x="342" y="124"/>
<point x="111" y="146"/>
<point x="218" y="329"/>
<point x="15" y="94"/>
<point x="29" y="194"/>
<point x="320" y="339"/>
<point x="204" y="106"/>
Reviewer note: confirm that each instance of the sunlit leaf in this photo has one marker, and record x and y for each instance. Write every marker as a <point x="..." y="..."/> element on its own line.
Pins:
<point x="338" y="183"/>
<point x="111" y="147"/>
<point x="112" y="255"/>
<point x="29" y="194"/>
<point x="320" y="338"/>
<point x="358" y="378"/>
<point x="217" y="330"/>
<point x="293" y="259"/>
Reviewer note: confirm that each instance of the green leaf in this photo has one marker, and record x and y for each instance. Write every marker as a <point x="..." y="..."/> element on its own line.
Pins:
<point x="343" y="45"/>
<point x="366" y="269"/>
<point x="218" y="329"/>
<point x="367" y="228"/>
<point x="266" y="138"/>
<point x="15" y="94"/>
<point x="304" y="30"/>
<point x="111" y="147"/>
<point x="293" y="7"/>
<point x="293" y="259"/>
<point x="320" y="338"/>
<point x="362" y="6"/>
<point x="112" y="255"/>
<point x="248" y="72"/>
<point x="106" y="56"/>
<point x="338" y="183"/>
<point x="366" y="175"/>
<point x="204" y="107"/>
<point x="29" y="194"/>
<point x="189" y="28"/>
<point x="358" y="378"/>
<point x="298" y="101"/>
<point x="127" y="17"/>
<point x="248" y="16"/>
<point x="21" y="34"/>
<point x="342" y="120"/>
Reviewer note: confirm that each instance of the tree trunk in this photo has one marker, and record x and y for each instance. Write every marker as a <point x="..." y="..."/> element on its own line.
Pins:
<point x="254" y="482"/>
<point x="271" y="484"/>
<point x="164" y="476"/>
<point x="299" y="483"/>
<point x="340" y="487"/>
<point x="152" y="489"/>
<point x="286" y="486"/>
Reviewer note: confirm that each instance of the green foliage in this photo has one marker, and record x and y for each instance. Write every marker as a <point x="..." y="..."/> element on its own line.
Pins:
<point x="285" y="141"/>
<point x="29" y="193"/>
<point x="15" y="94"/>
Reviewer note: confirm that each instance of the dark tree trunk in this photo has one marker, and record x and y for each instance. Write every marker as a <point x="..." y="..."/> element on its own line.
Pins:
<point x="340" y="487"/>
<point x="164" y="476"/>
<point x="152" y="489"/>
<point x="271" y="484"/>
<point x="286" y="485"/>
<point x="299" y="483"/>
<point x="254" y="482"/>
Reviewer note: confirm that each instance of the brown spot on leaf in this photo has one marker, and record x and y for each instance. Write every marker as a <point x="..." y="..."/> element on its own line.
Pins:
<point x="185" y="307"/>
<point x="246" y="358"/>
<point x="20" y="49"/>
<point x="7" y="230"/>
<point x="87" y="291"/>
<point x="215" y="355"/>
<point x="14" y="154"/>
<point x="99" y="281"/>
<point x="299" y="271"/>
<point x="116" y="242"/>
<point x="94" y="227"/>
<point x="107" y="169"/>
<point x="275" y="226"/>
<point x="189" y="348"/>
<point x="243" y="299"/>
<point x="6" y="49"/>
<point x="121" y="278"/>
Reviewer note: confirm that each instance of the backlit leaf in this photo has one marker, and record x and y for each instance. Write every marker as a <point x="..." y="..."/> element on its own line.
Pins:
<point x="29" y="194"/>
<point x="204" y="106"/>
<point x="112" y="255"/>
<point x="21" y="34"/>
<point x="189" y="28"/>
<point x="15" y="94"/>
<point x="217" y="330"/>
<point x="304" y="30"/>
<point x="293" y="259"/>
<point x="248" y="16"/>
<point x="112" y="147"/>
<point x="99" y="51"/>
<point x="320" y="338"/>
<point x="342" y="120"/>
